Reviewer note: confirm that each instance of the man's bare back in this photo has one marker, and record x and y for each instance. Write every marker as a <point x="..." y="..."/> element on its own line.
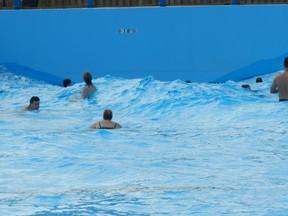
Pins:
<point x="280" y="83"/>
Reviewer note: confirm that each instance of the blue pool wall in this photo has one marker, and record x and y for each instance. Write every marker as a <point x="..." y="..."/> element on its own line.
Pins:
<point x="197" y="43"/>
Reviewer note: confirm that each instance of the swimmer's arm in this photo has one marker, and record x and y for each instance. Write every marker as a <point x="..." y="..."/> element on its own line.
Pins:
<point x="274" y="88"/>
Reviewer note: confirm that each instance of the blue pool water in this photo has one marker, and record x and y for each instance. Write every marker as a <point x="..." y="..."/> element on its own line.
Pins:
<point x="184" y="149"/>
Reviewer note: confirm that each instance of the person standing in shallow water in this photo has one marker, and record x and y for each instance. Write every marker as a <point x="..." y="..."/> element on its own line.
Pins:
<point x="89" y="89"/>
<point x="33" y="105"/>
<point x="106" y="123"/>
<point x="280" y="83"/>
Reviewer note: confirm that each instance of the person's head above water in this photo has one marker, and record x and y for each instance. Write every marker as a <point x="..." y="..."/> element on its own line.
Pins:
<point x="259" y="79"/>
<point x="66" y="82"/>
<point x="246" y="86"/>
<point x="87" y="77"/>
<point x="107" y="114"/>
<point x="34" y="103"/>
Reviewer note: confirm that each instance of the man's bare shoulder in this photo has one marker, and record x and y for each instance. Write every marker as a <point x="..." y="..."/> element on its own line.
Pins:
<point x="25" y="108"/>
<point x="279" y="77"/>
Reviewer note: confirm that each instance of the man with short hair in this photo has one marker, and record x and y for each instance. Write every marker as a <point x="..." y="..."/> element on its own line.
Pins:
<point x="34" y="104"/>
<point x="280" y="83"/>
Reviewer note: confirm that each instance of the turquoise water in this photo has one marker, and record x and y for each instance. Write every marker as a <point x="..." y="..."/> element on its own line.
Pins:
<point x="184" y="149"/>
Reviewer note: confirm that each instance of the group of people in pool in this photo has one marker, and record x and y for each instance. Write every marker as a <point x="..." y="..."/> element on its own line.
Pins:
<point x="279" y="84"/>
<point x="87" y="91"/>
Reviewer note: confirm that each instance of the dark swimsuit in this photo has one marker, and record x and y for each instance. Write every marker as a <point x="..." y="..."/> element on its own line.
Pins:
<point x="283" y="99"/>
<point x="100" y="127"/>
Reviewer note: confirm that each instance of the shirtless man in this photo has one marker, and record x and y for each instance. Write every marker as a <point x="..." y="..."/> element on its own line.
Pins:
<point x="89" y="88"/>
<point x="34" y="104"/>
<point x="106" y="123"/>
<point x="280" y="83"/>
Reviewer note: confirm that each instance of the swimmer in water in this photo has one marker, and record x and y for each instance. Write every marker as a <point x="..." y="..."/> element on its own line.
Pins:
<point x="66" y="82"/>
<point x="34" y="104"/>
<point x="89" y="88"/>
<point x="106" y="123"/>
<point x="247" y="86"/>
<point x="280" y="83"/>
<point x="259" y="79"/>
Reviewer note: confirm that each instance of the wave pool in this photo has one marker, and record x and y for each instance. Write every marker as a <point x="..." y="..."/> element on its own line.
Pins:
<point x="184" y="149"/>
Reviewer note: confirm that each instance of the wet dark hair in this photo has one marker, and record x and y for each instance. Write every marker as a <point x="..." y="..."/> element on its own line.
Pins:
<point x="259" y="79"/>
<point x="107" y="114"/>
<point x="87" y="77"/>
<point x="66" y="82"/>
<point x="34" y="98"/>
<point x="246" y="86"/>
<point x="286" y="62"/>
